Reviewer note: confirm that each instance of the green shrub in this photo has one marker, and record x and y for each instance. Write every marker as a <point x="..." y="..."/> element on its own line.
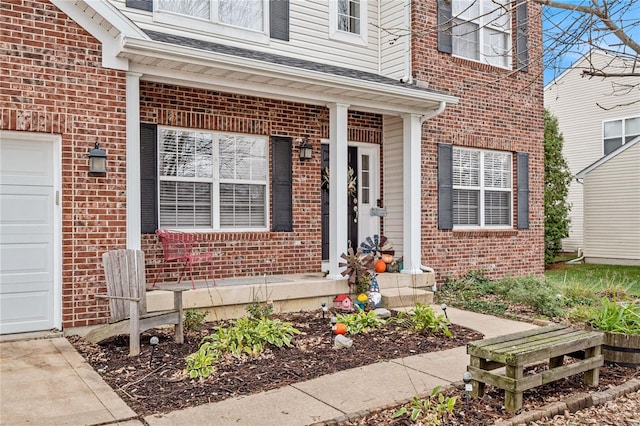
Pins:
<point x="257" y="309"/>
<point x="193" y="319"/>
<point x="360" y="322"/>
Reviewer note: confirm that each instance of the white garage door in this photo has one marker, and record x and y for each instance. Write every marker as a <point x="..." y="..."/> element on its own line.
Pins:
<point x="28" y="300"/>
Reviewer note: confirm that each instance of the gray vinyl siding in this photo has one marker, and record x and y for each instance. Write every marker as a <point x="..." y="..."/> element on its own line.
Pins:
<point x="393" y="189"/>
<point x="572" y="99"/>
<point x="612" y="206"/>
<point x="309" y="37"/>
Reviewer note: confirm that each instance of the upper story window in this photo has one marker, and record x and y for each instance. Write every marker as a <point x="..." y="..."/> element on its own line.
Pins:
<point x="481" y="31"/>
<point x="348" y="21"/>
<point x="349" y="16"/>
<point x="238" y="18"/>
<point x="212" y="180"/>
<point x="616" y="133"/>
<point x="482" y="188"/>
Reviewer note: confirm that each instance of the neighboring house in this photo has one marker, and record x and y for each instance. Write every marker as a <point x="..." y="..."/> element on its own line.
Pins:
<point x="596" y="116"/>
<point x="611" y="190"/>
<point x="201" y="108"/>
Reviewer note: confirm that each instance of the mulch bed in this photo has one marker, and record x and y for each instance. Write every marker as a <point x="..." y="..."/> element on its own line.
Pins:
<point x="157" y="384"/>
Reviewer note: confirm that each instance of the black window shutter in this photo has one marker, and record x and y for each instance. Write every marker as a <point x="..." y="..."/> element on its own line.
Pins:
<point x="281" y="184"/>
<point x="279" y="19"/>
<point x="445" y="186"/>
<point x="444" y="26"/>
<point x="148" y="178"/>
<point x="140" y="4"/>
<point x="523" y="190"/>
<point x="522" y="37"/>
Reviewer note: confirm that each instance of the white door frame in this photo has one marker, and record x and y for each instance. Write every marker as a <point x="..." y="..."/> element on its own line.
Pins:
<point x="56" y="140"/>
<point x="367" y="224"/>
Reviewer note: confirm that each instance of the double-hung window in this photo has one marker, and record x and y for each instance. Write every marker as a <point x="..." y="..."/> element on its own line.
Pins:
<point x="348" y="21"/>
<point x="481" y="31"/>
<point x="230" y="17"/>
<point x="482" y="188"/>
<point x="616" y="133"/>
<point x="211" y="180"/>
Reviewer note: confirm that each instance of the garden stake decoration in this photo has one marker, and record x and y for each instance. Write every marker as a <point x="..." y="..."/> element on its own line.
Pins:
<point x="324" y="309"/>
<point x="444" y="309"/>
<point x="154" y="343"/>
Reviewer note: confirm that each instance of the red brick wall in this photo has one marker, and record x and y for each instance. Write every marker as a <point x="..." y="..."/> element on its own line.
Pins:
<point x="255" y="253"/>
<point x="498" y="109"/>
<point x="52" y="82"/>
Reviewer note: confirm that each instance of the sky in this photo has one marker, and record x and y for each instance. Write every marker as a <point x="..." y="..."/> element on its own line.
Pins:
<point x="556" y="21"/>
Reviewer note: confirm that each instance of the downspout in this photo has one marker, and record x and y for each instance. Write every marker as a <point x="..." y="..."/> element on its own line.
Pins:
<point x="431" y="114"/>
<point x="428" y="116"/>
<point x="580" y="257"/>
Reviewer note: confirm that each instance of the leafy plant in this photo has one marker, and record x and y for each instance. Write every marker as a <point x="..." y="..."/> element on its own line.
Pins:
<point x="200" y="363"/>
<point x="243" y="336"/>
<point x="424" y="319"/>
<point x="617" y="317"/>
<point x="432" y="410"/>
<point x="361" y="322"/>
<point x="194" y="319"/>
<point x="257" y="309"/>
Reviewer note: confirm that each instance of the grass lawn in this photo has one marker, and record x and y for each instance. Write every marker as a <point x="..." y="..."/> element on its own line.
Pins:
<point x="598" y="277"/>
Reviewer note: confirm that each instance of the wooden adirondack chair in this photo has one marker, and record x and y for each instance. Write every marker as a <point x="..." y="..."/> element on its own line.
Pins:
<point x="126" y="290"/>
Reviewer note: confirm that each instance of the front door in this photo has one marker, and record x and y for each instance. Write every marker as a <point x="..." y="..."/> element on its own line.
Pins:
<point x="363" y="192"/>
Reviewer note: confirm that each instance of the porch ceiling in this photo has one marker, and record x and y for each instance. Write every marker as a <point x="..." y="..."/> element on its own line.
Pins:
<point x="177" y="60"/>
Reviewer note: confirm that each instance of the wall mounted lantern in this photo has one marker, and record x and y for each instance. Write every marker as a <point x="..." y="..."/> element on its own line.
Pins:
<point x="305" y="149"/>
<point x="97" y="161"/>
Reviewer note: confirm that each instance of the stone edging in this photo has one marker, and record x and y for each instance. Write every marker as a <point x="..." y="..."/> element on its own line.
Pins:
<point x="571" y="404"/>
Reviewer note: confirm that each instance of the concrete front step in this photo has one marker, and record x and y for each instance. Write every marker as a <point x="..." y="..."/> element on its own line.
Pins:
<point x="395" y="280"/>
<point x="404" y="296"/>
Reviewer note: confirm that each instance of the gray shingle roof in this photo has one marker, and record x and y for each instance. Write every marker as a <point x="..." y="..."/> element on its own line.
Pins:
<point x="281" y="60"/>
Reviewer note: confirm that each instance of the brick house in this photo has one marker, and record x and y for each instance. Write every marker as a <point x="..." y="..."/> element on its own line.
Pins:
<point x="201" y="110"/>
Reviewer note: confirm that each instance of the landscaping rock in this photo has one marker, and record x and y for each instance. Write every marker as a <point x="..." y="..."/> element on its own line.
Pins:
<point x="382" y="313"/>
<point x="342" y="342"/>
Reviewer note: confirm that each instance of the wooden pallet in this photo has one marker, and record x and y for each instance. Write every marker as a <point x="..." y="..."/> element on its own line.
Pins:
<point x="545" y="344"/>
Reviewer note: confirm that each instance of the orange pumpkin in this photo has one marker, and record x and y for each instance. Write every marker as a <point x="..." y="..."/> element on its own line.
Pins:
<point x="339" y="328"/>
<point x="380" y="266"/>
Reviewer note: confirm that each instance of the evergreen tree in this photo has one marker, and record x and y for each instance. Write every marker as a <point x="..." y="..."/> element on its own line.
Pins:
<point x="557" y="178"/>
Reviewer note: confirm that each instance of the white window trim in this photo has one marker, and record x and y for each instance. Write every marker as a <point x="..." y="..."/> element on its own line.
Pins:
<point x="482" y="190"/>
<point x="212" y="25"/>
<point x="215" y="181"/>
<point x="482" y="33"/>
<point x="624" y="135"/>
<point x="344" y="36"/>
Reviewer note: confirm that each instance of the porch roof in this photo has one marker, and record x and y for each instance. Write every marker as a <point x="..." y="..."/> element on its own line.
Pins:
<point x="181" y="60"/>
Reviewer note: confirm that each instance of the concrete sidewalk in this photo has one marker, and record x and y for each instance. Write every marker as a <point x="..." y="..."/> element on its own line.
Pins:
<point x="46" y="382"/>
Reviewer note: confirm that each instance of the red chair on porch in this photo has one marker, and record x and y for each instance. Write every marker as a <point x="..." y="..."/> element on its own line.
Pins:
<point x="179" y="247"/>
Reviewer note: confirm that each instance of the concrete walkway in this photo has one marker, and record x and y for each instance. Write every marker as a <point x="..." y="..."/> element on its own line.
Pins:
<point x="46" y="382"/>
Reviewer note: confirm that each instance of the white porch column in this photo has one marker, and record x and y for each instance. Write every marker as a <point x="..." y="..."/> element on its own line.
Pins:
<point x="411" y="184"/>
<point x="133" y="160"/>
<point x="337" y="186"/>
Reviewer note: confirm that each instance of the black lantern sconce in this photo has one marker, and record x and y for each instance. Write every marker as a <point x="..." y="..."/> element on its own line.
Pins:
<point x="97" y="161"/>
<point x="305" y="149"/>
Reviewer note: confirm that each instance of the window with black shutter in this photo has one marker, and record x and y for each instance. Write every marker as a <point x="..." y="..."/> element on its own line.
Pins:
<point x="281" y="183"/>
